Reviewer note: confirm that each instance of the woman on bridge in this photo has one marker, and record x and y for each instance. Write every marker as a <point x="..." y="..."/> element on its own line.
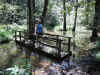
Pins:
<point x="39" y="32"/>
<point x="39" y="28"/>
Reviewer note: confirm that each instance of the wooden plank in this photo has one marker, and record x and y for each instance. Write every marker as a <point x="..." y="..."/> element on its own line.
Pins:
<point x="57" y="35"/>
<point x="47" y="45"/>
<point x="49" y="38"/>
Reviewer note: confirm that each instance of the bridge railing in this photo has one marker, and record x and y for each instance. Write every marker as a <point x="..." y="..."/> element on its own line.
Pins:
<point x="58" y="39"/>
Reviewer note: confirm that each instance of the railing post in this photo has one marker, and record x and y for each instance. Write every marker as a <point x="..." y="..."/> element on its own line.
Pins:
<point x="15" y="35"/>
<point x="24" y="37"/>
<point x="59" y="48"/>
<point x="20" y="37"/>
<point x="69" y="43"/>
<point x="58" y="45"/>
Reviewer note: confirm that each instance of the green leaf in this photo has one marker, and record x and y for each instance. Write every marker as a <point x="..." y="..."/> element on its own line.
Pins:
<point x="81" y="3"/>
<point x="92" y="3"/>
<point x="63" y="11"/>
<point x="69" y="9"/>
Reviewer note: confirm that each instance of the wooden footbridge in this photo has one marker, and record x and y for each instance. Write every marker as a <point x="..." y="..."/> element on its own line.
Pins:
<point x="40" y="44"/>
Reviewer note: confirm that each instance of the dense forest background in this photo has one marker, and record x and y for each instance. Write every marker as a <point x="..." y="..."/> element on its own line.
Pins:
<point x="13" y="12"/>
<point x="68" y="15"/>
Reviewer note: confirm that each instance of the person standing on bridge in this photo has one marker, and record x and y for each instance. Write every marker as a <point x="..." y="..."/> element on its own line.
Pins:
<point x="39" y="28"/>
<point x="39" y="32"/>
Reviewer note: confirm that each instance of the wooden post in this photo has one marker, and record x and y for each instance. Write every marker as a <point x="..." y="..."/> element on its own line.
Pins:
<point x="24" y="36"/>
<point x="69" y="43"/>
<point x="27" y="57"/>
<point x="58" y="45"/>
<point x="15" y="35"/>
<point x="20" y="37"/>
<point x="59" y="48"/>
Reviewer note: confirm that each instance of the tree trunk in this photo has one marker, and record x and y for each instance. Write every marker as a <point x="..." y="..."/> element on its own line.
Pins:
<point x="74" y="28"/>
<point x="64" y="7"/>
<point x="87" y="10"/>
<point x="46" y="2"/>
<point x="31" y="27"/>
<point x="33" y="1"/>
<point x="96" y="21"/>
<point x="75" y="20"/>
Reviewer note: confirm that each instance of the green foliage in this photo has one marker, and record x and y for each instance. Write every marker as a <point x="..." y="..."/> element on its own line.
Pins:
<point x="63" y="11"/>
<point x="69" y="9"/>
<point x="50" y="22"/>
<point x="92" y="3"/>
<point x="10" y="14"/>
<point x="5" y="36"/>
<point x="7" y="32"/>
<point x="81" y="3"/>
<point x="19" y="70"/>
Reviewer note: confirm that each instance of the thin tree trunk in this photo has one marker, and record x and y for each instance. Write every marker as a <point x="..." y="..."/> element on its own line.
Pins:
<point x="74" y="28"/>
<point x="33" y="1"/>
<point x="31" y="25"/>
<point x="75" y="20"/>
<point x="96" y="21"/>
<point x="31" y="28"/>
<point x="46" y="2"/>
<point x="87" y="10"/>
<point x="64" y="7"/>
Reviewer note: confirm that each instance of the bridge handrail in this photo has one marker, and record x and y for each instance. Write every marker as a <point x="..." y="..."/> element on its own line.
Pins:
<point x="57" y="35"/>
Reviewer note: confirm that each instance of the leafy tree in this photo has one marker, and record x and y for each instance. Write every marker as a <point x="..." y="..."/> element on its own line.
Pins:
<point x="12" y="14"/>
<point x="51" y="21"/>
